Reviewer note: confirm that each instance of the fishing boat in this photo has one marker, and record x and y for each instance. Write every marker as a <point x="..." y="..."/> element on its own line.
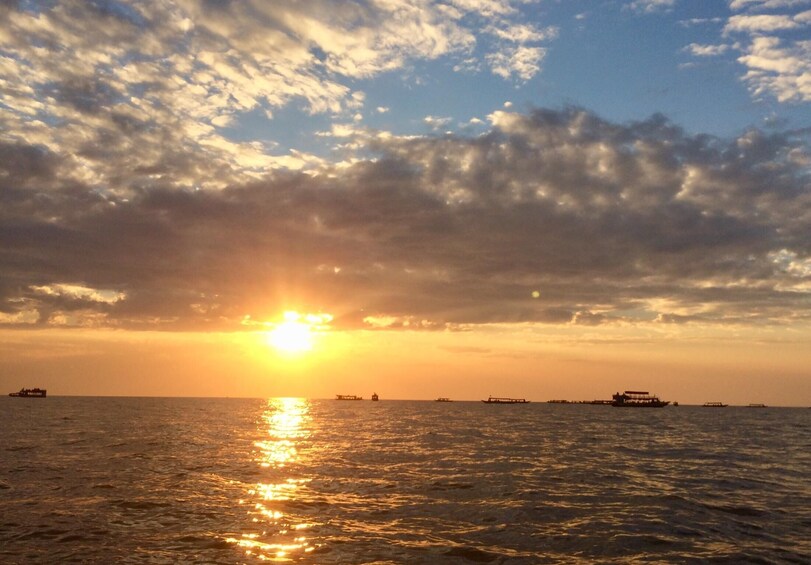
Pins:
<point x="29" y="393"/>
<point x="347" y="397"/>
<point x="375" y="398"/>
<point x="637" y="399"/>
<point x="503" y="400"/>
<point x="757" y="405"/>
<point x="715" y="405"/>
<point x="443" y="399"/>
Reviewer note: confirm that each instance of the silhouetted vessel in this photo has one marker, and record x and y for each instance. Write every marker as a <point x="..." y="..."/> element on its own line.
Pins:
<point x="757" y="406"/>
<point x="29" y="393"/>
<point x="443" y="399"/>
<point x="502" y="400"/>
<point x="602" y="402"/>
<point x="637" y="399"/>
<point x="715" y="405"/>
<point x="375" y="398"/>
<point x="347" y="397"/>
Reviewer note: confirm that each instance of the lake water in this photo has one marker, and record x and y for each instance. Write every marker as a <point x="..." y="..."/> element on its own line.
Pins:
<point x="152" y="480"/>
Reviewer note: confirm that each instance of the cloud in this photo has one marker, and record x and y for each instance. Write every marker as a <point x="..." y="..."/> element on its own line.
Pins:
<point x="760" y="23"/>
<point x="766" y="4"/>
<point x="706" y="50"/>
<point x="131" y="94"/>
<point x="778" y="69"/>
<point x="637" y="223"/>
<point x="776" y="62"/>
<point x="521" y="62"/>
<point x="651" y="6"/>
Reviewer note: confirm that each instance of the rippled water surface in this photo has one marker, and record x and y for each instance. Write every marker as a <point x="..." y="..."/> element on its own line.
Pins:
<point x="145" y="480"/>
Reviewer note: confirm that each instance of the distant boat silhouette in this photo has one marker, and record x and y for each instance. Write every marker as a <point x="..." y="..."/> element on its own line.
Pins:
<point x="715" y="405"/>
<point x="638" y="399"/>
<point x="29" y="393"/>
<point x="503" y="400"/>
<point x="347" y="397"/>
<point x="375" y="398"/>
<point x="756" y="406"/>
<point x="443" y="399"/>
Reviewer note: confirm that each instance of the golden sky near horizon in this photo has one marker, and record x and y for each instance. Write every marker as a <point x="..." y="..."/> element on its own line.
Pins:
<point x="539" y="365"/>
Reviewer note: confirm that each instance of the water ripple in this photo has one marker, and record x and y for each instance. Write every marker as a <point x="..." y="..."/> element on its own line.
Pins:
<point x="236" y="481"/>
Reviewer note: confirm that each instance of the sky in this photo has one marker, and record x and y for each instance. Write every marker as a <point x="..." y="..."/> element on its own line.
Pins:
<point x="531" y="198"/>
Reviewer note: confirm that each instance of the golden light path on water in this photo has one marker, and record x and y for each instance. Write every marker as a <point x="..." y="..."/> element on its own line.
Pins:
<point x="284" y="426"/>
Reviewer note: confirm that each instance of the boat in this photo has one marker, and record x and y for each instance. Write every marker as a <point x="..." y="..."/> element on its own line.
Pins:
<point x="637" y="399"/>
<point x="443" y="399"/>
<point x="757" y="406"/>
<point x="347" y="397"/>
<point x="375" y="398"/>
<point x="29" y="393"/>
<point x="715" y="405"/>
<point x="503" y="400"/>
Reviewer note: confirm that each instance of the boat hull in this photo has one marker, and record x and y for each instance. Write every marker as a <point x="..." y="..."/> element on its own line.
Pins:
<point x="29" y="394"/>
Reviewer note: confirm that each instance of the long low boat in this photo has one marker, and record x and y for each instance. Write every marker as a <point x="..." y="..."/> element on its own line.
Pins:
<point x="503" y="400"/>
<point x="30" y="393"/>
<point x="637" y="399"/>
<point x="347" y="397"/>
<point x="443" y="399"/>
<point x="715" y="405"/>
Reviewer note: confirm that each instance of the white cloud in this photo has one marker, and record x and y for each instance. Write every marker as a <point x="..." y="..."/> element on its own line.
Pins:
<point x="783" y="71"/>
<point x="650" y="6"/>
<point x="766" y="4"/>
<point x="776" y="62"/>
<point x="706" y="50"/>
<point x="760" y="23"/>
<point x="436" y="122"/>
<point x="519" y="62"/>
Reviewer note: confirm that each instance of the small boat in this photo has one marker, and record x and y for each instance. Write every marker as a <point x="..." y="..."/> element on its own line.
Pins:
<point x="757" y="406"/>
<point x="347" y="397"/>
<point x="637" y="399"/>
<point x="375" y="398"/>
<point x="715" y="405"/>
<point x="29" y="393"/>
<point x="443" y="399"/>
<point x="503" y="400"/>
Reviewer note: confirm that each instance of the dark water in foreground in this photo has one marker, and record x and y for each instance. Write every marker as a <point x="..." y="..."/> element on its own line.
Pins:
<point x="143" y="480"/>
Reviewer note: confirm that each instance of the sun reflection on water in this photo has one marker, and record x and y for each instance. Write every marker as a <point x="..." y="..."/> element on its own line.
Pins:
<point x="284" y="426"/>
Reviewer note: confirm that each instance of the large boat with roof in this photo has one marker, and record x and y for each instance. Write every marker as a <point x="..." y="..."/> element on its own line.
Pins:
<point x="503" y="400"/>
<point x="30" y="393"/>
<point x="715" y="405"/>
<point x="347" y="397"/>
<point x="637" y="399"/>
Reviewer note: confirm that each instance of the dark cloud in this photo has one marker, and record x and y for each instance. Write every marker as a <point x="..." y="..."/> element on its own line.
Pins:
<point x="551" y="217"/>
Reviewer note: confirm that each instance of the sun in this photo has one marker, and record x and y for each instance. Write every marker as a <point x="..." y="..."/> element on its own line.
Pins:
<point x="295" y="335"/>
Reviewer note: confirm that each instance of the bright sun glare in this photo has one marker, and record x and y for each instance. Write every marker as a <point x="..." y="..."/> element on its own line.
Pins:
<point x="295" y="334"/>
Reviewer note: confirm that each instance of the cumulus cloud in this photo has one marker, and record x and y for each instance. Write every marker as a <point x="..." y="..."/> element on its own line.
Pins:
<point x="706" y="50"/>
<point x="779" y="69"/>
<point x="760" y="23"/>
<point x="133" y="94"/>
<point x="548" y="217"/>
<point x="775" y="58"/>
